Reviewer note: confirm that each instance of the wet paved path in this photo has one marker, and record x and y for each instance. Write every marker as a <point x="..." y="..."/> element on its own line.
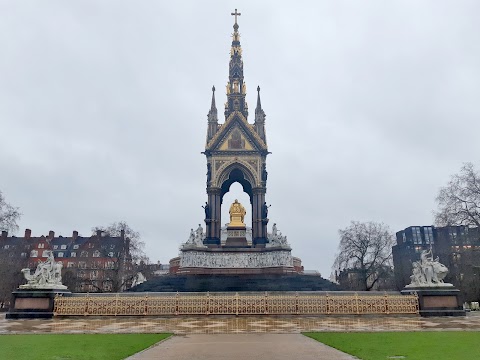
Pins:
<point x="240" y="347"/>
<point x="238" y="325"/>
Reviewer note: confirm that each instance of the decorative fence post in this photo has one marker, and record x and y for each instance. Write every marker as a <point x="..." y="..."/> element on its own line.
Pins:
<point x="266" y="303"/>
<point x="86" y="304"/>
<point x="237" y="300"/>
<point x="176" y="303"/>
<point x="297" y="308"/>
<point x="145" y="311"/>
<point x="328" y="304"/>
<point x="385" y="299"/>
<point x="208" y="302"/>
<point x="355" y="300"/>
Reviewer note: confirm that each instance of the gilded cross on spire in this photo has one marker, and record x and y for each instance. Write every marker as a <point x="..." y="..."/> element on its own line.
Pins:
<point x="236" y="13"/>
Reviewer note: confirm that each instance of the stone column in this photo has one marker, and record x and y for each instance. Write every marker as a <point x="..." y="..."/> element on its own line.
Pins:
<point x="259" y="224"/>
<point x="213" y="225"/>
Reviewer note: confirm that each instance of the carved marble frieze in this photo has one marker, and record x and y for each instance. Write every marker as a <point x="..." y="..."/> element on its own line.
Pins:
<point x="246" y="260"/>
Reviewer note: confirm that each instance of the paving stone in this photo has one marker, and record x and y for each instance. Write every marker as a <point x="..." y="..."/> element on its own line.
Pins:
<point x="241" y="347"/>
<point x="238" y="325"/>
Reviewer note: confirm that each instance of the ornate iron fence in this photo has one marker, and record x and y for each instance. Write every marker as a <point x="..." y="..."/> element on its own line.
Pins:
<point x="170" y="304"/>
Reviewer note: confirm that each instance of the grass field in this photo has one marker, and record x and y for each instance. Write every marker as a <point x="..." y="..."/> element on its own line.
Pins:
<point x="445" y="345"/>
<point x="75" y="346"/>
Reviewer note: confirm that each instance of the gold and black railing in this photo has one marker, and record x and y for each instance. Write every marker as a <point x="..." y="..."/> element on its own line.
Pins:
<point x="291" y="303"/>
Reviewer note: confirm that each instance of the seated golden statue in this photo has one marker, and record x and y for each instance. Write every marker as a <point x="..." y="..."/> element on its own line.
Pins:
<point x="237" y="214"/>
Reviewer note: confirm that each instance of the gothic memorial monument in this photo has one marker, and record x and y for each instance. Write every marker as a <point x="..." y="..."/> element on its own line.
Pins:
<point x="236" y="151"/>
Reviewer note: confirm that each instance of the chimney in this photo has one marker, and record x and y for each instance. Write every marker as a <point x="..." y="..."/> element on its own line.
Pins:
<point x="51" y="234"/>
<point x="28" y="234"/>
<point x="4" y="235"/>
<point x="122" y="234"/>
<point x="99" y="234"/>
<point x="75" y="235"/>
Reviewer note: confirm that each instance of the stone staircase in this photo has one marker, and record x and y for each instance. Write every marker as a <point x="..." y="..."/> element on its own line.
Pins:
<point x="222" y="283"/>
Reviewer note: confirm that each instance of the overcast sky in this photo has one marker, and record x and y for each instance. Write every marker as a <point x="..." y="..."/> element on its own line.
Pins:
<point x="371" y="106"/>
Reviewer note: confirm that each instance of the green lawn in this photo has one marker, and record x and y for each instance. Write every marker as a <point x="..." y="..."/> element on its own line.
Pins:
<point x="75" y="346"/>
<point x="445" y="345"/>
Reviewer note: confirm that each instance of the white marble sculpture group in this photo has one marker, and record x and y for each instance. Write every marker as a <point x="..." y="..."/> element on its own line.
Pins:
<point x="428" y="272"/>
<point x="276" y="239"/>
<point x="195" y="239"/>
<point x="48" y="275"/>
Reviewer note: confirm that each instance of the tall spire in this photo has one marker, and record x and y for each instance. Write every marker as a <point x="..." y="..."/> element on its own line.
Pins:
<point x="236" y="88"/>
<point x="213" y="108"/>
<point x="212" y="118"/>
<point x="260" y="118"/>
<point x="259" y="104"/>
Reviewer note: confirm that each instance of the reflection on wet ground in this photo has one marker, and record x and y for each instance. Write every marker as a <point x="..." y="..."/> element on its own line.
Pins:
<point x="232" y="324"/>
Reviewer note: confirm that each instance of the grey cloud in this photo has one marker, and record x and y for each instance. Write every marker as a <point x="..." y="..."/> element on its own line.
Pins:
<point x="370" y="107"/>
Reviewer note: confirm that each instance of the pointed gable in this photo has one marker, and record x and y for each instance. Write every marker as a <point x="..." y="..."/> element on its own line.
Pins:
<point x="236" y="134"/>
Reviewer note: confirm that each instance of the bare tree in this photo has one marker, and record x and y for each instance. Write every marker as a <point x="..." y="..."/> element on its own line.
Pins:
<point x="459" y="201"/>
<point x="9" y="215"/>
<point x="130" y="258"/>
<point x="366" y="250"/>
<point x="13" y="258"/>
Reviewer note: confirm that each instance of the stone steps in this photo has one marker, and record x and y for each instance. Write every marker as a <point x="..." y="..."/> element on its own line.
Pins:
<point x="222" y="283"/>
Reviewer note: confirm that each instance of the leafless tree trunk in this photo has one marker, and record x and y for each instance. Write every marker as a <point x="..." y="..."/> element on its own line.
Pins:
<point x="9" y="215"/>
<point x="131" y="258"/>
<point x="367" y="249"/>
<point x="11" y="264"/>
<point x="459" y="201"/>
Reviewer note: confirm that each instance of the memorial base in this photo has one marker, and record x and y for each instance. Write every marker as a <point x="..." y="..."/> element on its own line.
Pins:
<point x="437" y="301"/>
<point x="34" y="303"/>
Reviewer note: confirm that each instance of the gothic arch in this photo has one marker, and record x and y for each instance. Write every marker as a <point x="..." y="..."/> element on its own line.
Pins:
<point x="236" y="172"/>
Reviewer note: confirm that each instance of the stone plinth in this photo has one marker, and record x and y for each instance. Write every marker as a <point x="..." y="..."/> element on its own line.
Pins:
<point x="437" y="301"/>
<point x="236" y="237"/>
<point x="34" y="303"/>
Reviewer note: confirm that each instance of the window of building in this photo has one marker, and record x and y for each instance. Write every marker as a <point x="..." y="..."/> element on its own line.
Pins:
<point x="84" y="254"/>
<point x="60" y="254"/>
<point x="73" y="254"/>
<point x="75" y="246"/>
<point x="33" y="253"/>
<point x="63" y="247"/>
<point x="90" y="245"/>
<point x="428" y="232"/>
<point x="404" y="237"/>
<point x="96" y="253"/>
<point x="70" y="264"/>
<point x="453" y="234"/>
<point x="55" y="247"/>
<point x="93" y="274"/>
<point x="110" y="254"/>
<point x="112" y="246"/>
<point x="41" y="245"/>
<point x="24" y="254"/>
<point x="45" y="253"/>
<point x="417" y="236"/>
<point x="82" y="264"/>
<point x="6" y="246"/>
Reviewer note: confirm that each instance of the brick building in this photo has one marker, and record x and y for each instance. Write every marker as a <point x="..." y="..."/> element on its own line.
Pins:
<point x="457" y="247"/>
<point x="97" y="263"/>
